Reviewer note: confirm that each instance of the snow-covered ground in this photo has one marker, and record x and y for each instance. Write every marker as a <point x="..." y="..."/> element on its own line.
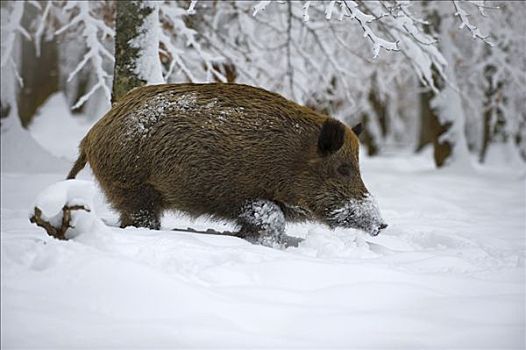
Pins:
<point x="448" y="272"/>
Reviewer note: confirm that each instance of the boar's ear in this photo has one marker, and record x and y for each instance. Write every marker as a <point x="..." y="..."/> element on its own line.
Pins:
<point x="331" y="137"/>
<point x="357" y="129"/>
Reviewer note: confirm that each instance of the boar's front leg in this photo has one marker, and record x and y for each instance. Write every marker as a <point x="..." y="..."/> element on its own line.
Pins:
<point x="262" y="222"/>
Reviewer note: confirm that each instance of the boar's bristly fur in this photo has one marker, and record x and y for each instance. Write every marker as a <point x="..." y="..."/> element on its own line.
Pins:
<point x="212" y="149"/>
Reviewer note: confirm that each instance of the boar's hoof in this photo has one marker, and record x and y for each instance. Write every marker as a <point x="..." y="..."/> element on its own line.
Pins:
<point x="262" y="222"/>
<point x="141" y="218"/>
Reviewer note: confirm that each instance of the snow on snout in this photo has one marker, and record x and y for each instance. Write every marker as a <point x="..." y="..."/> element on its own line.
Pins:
<point x="362" y="214"/>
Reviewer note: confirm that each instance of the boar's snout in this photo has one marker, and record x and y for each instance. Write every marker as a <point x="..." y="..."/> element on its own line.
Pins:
<point x="362" y="214"/>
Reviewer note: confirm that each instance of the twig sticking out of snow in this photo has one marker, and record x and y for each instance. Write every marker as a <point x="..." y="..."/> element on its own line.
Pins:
<point x="64" y="209"/>
<point x="58" y="232"/>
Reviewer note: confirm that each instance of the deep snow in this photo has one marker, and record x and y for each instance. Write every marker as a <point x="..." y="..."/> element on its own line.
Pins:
<point x="447" y="272"/>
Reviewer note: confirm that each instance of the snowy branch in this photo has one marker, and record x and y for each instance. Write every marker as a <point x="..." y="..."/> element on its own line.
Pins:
<point x="419" y="48"/>
<point x="174" y="17"/>
<point x="41" y="27"/>
<point x="260" y="6"/>
<point x="191" y="8"/>
<point x="364" y="20"/>
<point x="466" y="23"/>
<point x="306" y="16"/>
<point x="290" y="69"/>
<point x="480" y="4"/>
<point x="329" y="9"/>
<point x="11" y="29"/>
<point x="91" y="27"/>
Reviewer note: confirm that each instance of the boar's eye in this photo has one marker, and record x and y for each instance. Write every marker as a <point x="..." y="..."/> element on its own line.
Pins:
<point x="345" y="169"/>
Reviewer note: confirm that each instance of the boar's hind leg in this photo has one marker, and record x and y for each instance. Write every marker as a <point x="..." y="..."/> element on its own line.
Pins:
<point x="262" y="222"/>
<point x="140" y="207"/>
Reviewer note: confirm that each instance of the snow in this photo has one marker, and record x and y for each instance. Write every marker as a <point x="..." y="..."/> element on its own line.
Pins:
<point x="72" y="128"/>
<point x="22" y="154"/>
<point x="447" y="272"/>
<point x="141" y="122"/>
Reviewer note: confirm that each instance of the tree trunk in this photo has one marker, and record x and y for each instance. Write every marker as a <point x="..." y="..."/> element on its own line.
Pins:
<point x="442" y="114"/>
<point x="449" y="137"/>
<point x="367" y="136"/>
<point x="39" y="73"/>
<point x="379" y="112"/>
<point x="431" y="129"/>
<point x="425" y="136"/>
<point x="135" y="21"/>
<point x="491" y="110"/>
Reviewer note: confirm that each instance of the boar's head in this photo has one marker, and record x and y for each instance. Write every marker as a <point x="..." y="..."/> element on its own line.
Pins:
<point x="333" y="190"/>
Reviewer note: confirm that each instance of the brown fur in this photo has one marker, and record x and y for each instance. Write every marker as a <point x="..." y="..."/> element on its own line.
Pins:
<point x="206" y="149"/>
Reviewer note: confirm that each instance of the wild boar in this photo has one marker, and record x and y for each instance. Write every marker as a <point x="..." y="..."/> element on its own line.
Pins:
<point x="228" y="151"/>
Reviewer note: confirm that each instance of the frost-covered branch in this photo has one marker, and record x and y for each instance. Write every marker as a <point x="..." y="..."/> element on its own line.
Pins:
<point x="364" y="20"/>
<point x="481" y="5"/>
<point x="466" y="23"/>
<point x="419" y="48"/>
<point x="91" y="27"/>
<point x="42" y="26"/>
<point x="191" y="8"/>
<point x="290" y="69"/>
<point x="177" y="51"/>
<point x="261" y="6"/>
<point x="306" y="16"/>
<point x="10" y="31"/>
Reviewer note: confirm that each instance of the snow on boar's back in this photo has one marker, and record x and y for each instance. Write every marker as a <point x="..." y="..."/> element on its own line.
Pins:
<point x="229" y="151"/>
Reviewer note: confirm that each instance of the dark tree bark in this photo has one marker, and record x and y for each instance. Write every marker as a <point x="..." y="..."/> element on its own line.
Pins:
<point x="130" y="17"/>
<point x="39" y="73"/>
<point x="425" y="136"/>
<point x="379" y="108"/>
<point x="491" y="109"/>
<point x="431" y="127"/>
<point x="367" y="138"/>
